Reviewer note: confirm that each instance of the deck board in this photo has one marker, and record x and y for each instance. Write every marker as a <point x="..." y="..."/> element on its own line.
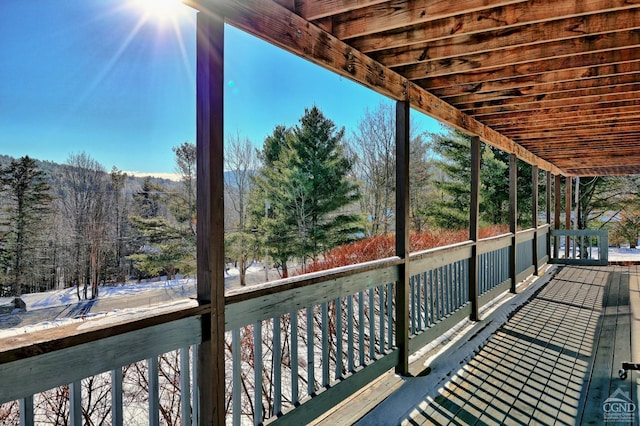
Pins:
<point x="555" y="361"/>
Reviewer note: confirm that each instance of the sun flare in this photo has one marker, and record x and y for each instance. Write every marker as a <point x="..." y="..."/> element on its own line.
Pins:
<point x="160" y="10"/>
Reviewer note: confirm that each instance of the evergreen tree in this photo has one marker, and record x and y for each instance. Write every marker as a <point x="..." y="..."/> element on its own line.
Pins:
<point x="305" y="179"/>
<point x="147" y="202"/>
<point x="184" y="205"/>
<point x="26" y="204"/>
<point x="168" y="237"/>
<point x="273" y="225"/>
<point x="451" y="207"/>
<point x="165" y="250"/>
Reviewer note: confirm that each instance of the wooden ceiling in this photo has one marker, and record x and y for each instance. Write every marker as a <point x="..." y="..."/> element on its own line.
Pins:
<point x="554" y="81"/>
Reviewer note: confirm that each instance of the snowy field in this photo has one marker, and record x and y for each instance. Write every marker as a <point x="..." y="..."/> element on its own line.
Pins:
<point x="54" y="308"/>
<point x="59" y="307"/>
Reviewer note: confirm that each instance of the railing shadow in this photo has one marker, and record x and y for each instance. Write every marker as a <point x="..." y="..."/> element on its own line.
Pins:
<point x="536" y="366"/>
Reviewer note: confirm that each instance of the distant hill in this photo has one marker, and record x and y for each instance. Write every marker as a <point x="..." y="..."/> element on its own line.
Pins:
<point x="53" y="170"/>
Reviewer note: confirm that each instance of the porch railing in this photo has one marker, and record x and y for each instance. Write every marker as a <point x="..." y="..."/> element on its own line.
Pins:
<point x="294" y="348"/>
<point x="580" y="247"/>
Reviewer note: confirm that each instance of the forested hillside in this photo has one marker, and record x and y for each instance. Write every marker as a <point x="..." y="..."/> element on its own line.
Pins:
<point x="291" y="205"/>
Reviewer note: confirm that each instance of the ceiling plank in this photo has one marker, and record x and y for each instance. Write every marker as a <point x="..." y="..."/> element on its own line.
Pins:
<point x="546" y="32"/>
<point x="536" y="56"/>
<point x="557" y="113"/>
<point x="401" y="13"/>
<point x="316" y="9"/>
<point x="603" y="101"/>
<point x="547" y="88"/>
<point x="569" y="97"/>
<point x="576" y="133"/>
<point x="600" y="126"/>
<point x="580" y="65"/>
<point x="503" y="17"/>
<point x="279" y="26"/>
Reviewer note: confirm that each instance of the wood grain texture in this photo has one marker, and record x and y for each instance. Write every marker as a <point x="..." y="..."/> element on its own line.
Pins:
<point x="74" y="363"/>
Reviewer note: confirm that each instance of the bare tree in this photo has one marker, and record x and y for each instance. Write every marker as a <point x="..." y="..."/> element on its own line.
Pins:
<point x="374" y="144"/>
<point x="241" y="162"/>
<point x="85" y="198"/>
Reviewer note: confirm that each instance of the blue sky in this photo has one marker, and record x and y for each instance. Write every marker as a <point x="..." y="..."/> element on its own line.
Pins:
<point x="102" y="77"/>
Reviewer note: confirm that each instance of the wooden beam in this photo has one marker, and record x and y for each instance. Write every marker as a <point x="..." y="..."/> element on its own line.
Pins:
<point x="527" y="56"/>
<point x="558" y="113"/>
<point x="403" y="287"/>
<point x="610" y="170"/>
<point x="546" y="34"/>
<point x="316" y="9"/>
<point x="536" y="84"/>
<point x="576" y="133"/>
<point x="281" y="27"/>
<point x="576" y="121"/>
<point x="210" y="210"/>
<point x="561" y="64"/>
<point x="559" y="92"/>
<point x="497" y="18"/>
<point x="603" y="101"/>
<point x="396" y="14"/>
<point x="541" y="101"/>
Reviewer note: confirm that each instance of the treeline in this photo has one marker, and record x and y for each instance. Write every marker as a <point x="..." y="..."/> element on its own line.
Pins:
<point x="309" y="189"/>
<point x="79" y="225"/>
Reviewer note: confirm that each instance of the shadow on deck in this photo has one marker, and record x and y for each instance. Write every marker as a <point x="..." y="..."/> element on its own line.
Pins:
<point x="555" y="361"/>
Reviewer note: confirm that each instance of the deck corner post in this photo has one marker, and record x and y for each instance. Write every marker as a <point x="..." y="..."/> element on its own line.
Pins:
<point x="556" y="214"/>
<point x="513" y="220"/>
<point x="210" y="382"/>
<point x="474" y="212"/>
<point x="567" y="212"/>
<point x="548" y="213"/>
<point x="402" y="235"/>
<point x="534" y="218"/>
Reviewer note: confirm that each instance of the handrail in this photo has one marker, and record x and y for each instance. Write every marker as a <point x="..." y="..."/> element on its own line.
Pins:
<point x="39" y="342"/>
<point x="353" y="326"/>
<point x="276" y="286"/>
<point x="579" y="243"/>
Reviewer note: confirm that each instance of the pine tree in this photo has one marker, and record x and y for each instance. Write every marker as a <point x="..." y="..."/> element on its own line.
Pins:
<point x="27" y="203"/>
<point x="451" y="207"/>
<point x="305" y="179"/>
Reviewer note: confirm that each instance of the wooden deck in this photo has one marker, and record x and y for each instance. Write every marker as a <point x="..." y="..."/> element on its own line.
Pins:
<point x="555" y="361"/>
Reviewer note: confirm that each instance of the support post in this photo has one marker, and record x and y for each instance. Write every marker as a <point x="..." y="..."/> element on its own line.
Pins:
<point x="534" y="218"/>
<point x="474" y="212"/>
<point x="210" y="211"/>
<point x="567" y="213"/>
<point x="513" y="220"/>
<point x="556" y="215"/>
<point x="402" y="235"/>
<point x="548" y="213"/>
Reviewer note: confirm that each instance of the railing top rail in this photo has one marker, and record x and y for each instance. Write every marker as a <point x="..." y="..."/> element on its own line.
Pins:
<point x="38" y="342"/>
<point x="440" y="250"/>
<point x="579" y="232"/>
<point x="281" y="285"/>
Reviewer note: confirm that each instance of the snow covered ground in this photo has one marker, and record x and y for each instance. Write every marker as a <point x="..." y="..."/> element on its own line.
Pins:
<point x="57" y="307"/>
<point x="624" y="254"/>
